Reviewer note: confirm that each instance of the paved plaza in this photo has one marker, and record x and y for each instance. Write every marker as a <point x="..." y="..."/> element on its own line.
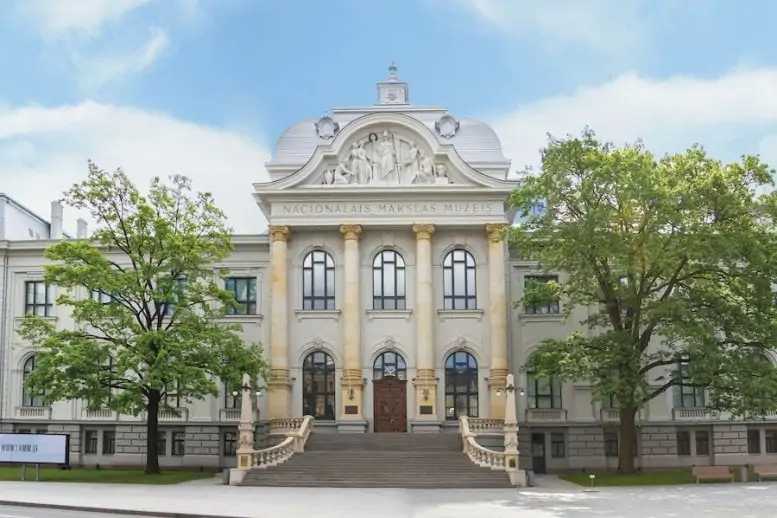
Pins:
<point x="711" y="500"/>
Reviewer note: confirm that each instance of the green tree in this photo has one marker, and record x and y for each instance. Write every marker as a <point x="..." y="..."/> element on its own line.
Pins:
<point x="154" y="332"/>
<point x="674" y="259"/>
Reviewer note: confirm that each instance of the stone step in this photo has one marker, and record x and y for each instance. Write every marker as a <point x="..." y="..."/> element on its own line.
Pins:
<point x="384" y="442"/>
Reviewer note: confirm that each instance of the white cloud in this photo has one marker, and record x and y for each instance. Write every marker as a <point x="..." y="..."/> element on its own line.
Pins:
<point x="96" y="72"/>
<point x="58" y="16"/>
<point x="44" y="150"/>
<point x="730" y="115"/>
<point x="612" y="27"/>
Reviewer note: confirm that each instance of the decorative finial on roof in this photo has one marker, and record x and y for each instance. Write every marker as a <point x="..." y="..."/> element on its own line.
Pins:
<point x="392" y="90"/>
<point x="393" y="72"/>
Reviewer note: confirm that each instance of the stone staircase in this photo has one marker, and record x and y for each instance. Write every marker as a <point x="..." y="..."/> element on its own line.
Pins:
<point x="419" y="461"/>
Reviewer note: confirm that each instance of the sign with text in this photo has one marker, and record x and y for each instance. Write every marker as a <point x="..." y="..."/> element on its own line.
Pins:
<point x="33" y="448"/>
<point x="381" y="208"/>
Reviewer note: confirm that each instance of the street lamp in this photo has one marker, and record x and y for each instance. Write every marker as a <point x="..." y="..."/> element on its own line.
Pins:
<point x="510" y="388"/>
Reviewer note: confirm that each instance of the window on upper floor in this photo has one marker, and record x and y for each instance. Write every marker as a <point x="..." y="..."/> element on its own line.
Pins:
<point x="173" y="395"/>
<point x="232" y="396"/>
<point x="178" y="288"/>
<point x="686" y="394"/>
<point x="30" y="398"/>
<point x="549" y="308"/>
<point x="459" y="280"/>
<point x="318" y="281"/>
<point x="388" y="281"/>
<point x="101" y="296"/>
<point x="244" y="291"/>
<point x="37" y="299"/>
<point x="543" y="391"/>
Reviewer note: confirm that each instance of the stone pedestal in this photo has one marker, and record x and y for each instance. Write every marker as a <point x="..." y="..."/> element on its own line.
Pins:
<point x="245" y="444"/>
<point x="425" y="381"/>
<point x="497" y="317"/>
<point x="352" y="382"/>
<point x="517" y="476"/>
<point x="279" y="387"/>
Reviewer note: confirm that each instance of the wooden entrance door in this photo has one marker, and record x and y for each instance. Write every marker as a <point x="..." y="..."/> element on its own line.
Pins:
<point x="390" y="405"/>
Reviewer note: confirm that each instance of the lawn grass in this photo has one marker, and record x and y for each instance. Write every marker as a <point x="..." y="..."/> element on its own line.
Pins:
<point x="106" y="476"/>
<point x="671" y="477"/>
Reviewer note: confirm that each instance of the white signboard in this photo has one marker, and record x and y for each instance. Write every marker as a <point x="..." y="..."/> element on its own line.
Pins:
<point x="27" y="448"/>
<point x="375" y="208"/>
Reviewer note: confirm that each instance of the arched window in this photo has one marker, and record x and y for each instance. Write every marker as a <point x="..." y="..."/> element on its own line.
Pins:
<point x="686" y="394"/>
<point x="318" y="281"/>
<point x="389" y="364"/>
<point x="461" y="386"/>
<point x="30" y="398"/>
<point x="459" y="289"/>
<point x="543" y="392"/>
<point x="388" y="281"/>
<point x="318" y="386"/>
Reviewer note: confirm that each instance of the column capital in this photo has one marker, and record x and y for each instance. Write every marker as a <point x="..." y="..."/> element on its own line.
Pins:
<point x="496" y="231"/>
<point x="279" y="232"/>
<point x="351" y="232"/>
<point x="424" y="231"/>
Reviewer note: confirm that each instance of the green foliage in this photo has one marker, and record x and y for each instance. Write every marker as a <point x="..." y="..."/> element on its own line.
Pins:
<point x="674" y="257"/>
<point x="160" y="335"/>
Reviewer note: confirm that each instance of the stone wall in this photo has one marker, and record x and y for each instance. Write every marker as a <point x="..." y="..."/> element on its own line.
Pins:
<point x="585" y="442"/>
<point x="729" y="439"/>
<point x="202" y="440"/>
<point x="658" y="441"/>
<point x="130" y="439"/>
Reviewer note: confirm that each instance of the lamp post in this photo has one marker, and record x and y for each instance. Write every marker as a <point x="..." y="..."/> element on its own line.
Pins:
<point x="517" y="476"/>
<point x="245" y="445"/>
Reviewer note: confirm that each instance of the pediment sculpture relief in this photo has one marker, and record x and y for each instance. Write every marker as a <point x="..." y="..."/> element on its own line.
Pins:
<point x="385" y="159"/>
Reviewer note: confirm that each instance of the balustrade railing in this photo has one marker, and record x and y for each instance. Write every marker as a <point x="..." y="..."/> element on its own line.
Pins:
<point x="297" y="431"/>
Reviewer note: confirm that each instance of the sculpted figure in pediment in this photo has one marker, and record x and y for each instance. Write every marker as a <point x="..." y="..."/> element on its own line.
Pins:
<point x="426" y="171"/>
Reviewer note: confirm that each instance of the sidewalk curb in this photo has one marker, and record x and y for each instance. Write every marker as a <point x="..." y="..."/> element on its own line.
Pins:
<point x="106" y="510"/>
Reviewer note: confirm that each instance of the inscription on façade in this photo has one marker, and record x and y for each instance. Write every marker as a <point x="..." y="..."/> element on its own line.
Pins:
<point x="337" y="209"/>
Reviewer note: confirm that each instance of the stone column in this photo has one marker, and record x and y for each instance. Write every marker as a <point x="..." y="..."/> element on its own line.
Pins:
<point x="352" y="382"/>
<point x="279" y="383"/>
<point x="425" y="382"/>
<point x="497" y="317"/>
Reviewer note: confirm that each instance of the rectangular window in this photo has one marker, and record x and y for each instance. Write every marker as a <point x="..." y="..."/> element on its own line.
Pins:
<point x="90" y="442"/>
<point x="702" y="442"/>
<point x="771" y="441"/>
<point x="686" y="394"/>
<point x="754" y="442"/>
<point x="173" y="395"/>
<point x="610" y="444"/>
<point x="101" y="296"/>
<point x="178" y="289"/>
<point x="161" y="444"/>
<point x="244" y="291"/>
<point x="557" y="446"/>
<point x="543" y="392"/>
<point x="683" y="443"/>
<point x="552" y="307"/>
<point x="37" y="299"/>
<point x="179" y="442"/>
<point x="230" y="444"/>
<point x="109" y="442"/>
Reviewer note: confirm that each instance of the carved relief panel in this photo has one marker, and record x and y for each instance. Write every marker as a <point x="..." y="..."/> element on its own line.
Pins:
<point x="383" y="158"/>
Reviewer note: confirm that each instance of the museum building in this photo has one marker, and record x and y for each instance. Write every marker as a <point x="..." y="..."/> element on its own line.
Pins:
<point x="383" y="294"/>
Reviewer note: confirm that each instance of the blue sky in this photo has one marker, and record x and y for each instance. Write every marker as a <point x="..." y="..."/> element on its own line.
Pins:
<point x="205" y="87"/>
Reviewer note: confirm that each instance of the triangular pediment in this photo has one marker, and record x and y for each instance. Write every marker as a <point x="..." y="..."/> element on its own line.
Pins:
<point x="384" y="151"/>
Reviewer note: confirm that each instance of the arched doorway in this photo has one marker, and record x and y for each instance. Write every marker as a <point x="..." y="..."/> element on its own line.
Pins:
<point x="389" y="393"/>
<point x="318" y="386"/>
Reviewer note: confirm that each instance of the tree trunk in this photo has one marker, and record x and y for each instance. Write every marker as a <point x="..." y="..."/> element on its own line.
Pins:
<point x="152" y="433"/>
<point x="627" y="440"/>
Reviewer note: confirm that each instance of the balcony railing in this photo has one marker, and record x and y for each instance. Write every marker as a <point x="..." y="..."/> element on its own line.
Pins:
<point x="176" y="415"/>
<point x="229" y="414"/>
<point x="101" y="414"/>
<point x="546" y="415"/>
<point x="694" y="414"/>
<point x="33" y="412"/>
<point x="610" y="415"/>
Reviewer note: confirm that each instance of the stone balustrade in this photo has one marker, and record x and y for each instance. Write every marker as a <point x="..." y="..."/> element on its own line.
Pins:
<point x="297" y="431"/>
<point x="480" y="455"/>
